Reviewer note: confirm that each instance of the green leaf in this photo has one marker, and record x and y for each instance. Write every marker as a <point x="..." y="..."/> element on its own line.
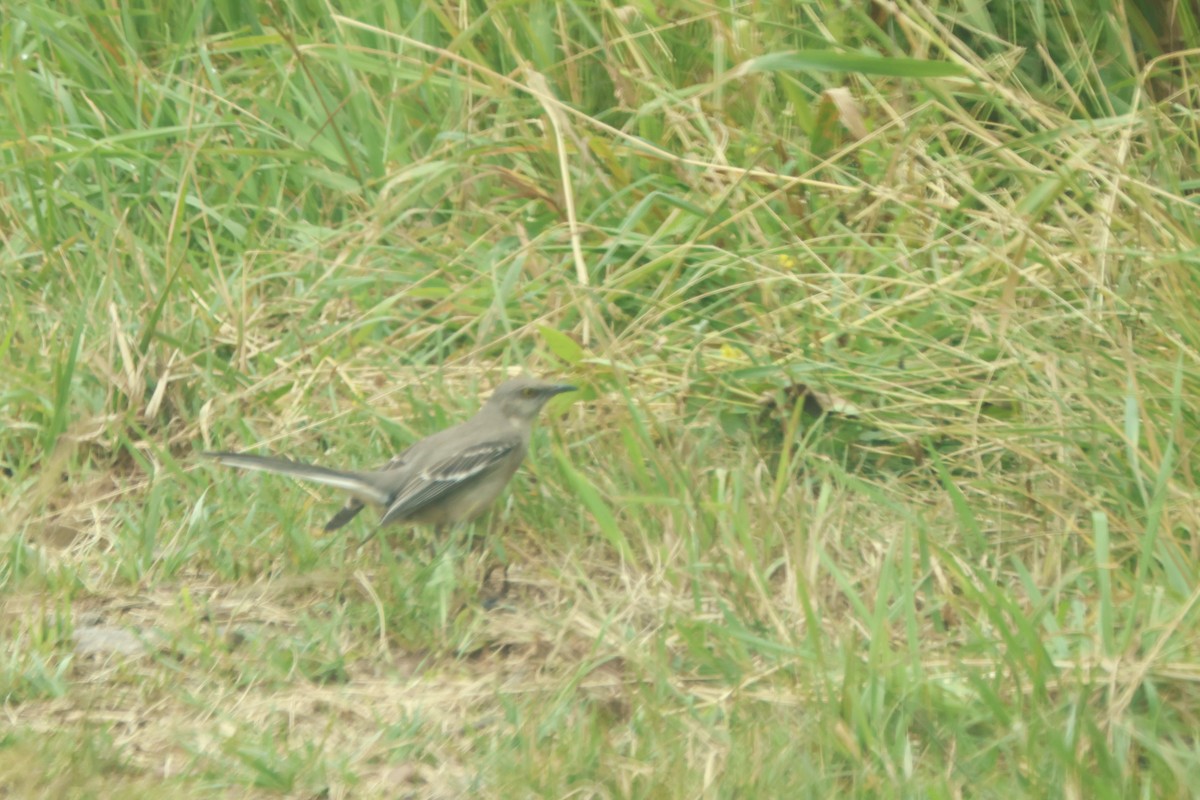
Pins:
<point x="829" y="61"/>
<point x="562" y="345"/>
<point x="589" y="497"/>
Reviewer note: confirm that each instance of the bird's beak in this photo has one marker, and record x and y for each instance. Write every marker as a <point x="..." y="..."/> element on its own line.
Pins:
<point x="559" y="388"/>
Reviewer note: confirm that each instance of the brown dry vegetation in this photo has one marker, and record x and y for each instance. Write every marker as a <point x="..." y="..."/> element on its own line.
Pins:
<point x="880" y="481"/>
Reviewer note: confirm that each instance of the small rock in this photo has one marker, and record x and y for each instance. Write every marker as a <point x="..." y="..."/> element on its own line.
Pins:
<point x="101" y="640"/>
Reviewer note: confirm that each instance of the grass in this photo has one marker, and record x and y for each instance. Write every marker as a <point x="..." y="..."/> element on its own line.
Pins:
<point x="881" y="478"/>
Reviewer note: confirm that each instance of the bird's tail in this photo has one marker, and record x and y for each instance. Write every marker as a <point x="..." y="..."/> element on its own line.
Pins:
<point x="356" y="485"/>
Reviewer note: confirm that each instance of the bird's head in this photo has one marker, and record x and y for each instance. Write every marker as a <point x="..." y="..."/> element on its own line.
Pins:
<point x="522" y="398"/>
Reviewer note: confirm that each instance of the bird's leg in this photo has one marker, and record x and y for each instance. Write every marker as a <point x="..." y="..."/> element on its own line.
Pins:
<point x="438" y="530"/>
<point x="361" y="542"/>
<point x="494" y="587"/>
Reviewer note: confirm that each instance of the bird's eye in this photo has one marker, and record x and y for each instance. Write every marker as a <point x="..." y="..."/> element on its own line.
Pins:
<point x="528" y="393"/>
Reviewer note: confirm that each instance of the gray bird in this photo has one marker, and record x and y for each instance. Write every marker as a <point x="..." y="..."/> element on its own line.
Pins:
<point x="449" y="477"/>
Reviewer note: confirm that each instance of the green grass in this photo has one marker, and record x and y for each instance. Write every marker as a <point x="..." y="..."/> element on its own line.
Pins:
<point x="881" y="481"/>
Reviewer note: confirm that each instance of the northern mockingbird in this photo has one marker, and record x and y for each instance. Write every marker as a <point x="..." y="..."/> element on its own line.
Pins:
<point x="449" y="477"/>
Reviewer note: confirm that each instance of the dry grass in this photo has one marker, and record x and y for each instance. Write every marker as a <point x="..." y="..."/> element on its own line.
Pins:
<point x="880" y="482"/>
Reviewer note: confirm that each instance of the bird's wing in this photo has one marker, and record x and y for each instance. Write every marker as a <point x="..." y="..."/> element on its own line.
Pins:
<point x="345" y="514"/>
<point x="445" y="476"/>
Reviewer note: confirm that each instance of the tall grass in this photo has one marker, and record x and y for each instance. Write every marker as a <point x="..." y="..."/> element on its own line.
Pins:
<point x="881" y="478"/>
